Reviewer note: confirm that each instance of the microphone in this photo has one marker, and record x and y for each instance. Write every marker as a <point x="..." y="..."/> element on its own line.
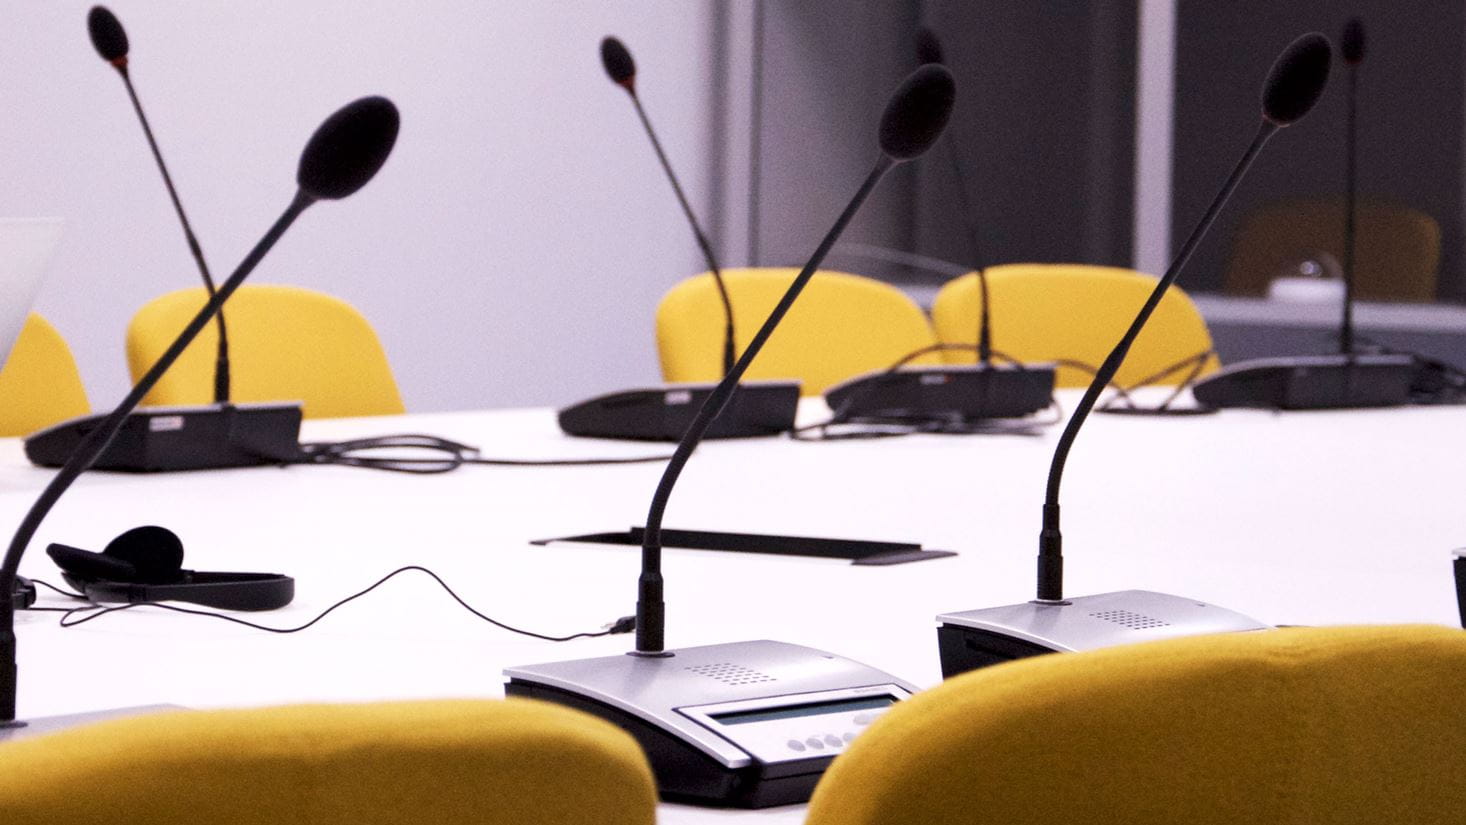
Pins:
<point x="650" y="679"/>
<point x="1341" y="380"/>
<point x="622" y="70"/>
<point x="1050" y="622"/>
<point x="957" y="398"/>
<point x="110" y="41"/>
<point x="1351" y="48"/>
<point x="341" y="156"/>
<point x="913" y="120"/>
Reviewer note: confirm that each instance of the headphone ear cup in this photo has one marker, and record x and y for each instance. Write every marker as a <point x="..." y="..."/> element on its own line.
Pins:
<point x="84" y="564"/>
<point x="155" y="553"/>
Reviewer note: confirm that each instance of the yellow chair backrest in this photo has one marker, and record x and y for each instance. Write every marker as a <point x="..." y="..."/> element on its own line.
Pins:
<point x="1398" y="248"/>
<point x="446" y="762"/>
<point x="841" y="326"/>
<point x="285" y="343"/>
<point x="39" y="385"/>
<point x="1326" y="726"/>
<point x="1048" y="312"/>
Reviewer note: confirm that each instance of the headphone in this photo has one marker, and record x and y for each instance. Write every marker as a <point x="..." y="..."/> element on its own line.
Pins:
<point x="145" y="564"/>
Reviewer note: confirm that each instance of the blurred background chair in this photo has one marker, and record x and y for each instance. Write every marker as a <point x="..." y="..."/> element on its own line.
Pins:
<point x="1398" y="248"/>
<point x="40" y="384"/>
<point x="841" y="326"/>
<point x="1047" y="312"/>
<point x="1329" y="726"/>
<point x="285" y="343"/>
<point x="447" y="762"/>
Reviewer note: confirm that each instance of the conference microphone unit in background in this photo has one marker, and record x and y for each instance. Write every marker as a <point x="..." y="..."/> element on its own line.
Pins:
<point x="664" y="413"/>
<point x="209" y="436"/>
<point x="1346" y="379"/>
<point x="953" y="394"/>
<point x="345" y="152"/>
<point x="748" y="724"/>
<point x="1052" y="623"/>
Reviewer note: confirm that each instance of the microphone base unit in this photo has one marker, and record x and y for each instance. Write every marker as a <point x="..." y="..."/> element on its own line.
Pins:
<point x="747" y="724"/>
<point x="972" y="392"/>
<point x="993" y="635"/>
<point x="28" y="728"/>
<point x="1312" y="382"/>
<point x="757" y="408"/>
<point x="167" y="439"/>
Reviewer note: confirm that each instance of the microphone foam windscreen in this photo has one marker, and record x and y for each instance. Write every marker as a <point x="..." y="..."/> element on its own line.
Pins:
<point x="617" y="60"/>
<point x="1351" y="43"/>
<point x="928" y="47"/>
<point x="348" y="148"/>
<point x="1297" y="79"/>
<point x="917" y="112"/>
<point x="107" y="34"/>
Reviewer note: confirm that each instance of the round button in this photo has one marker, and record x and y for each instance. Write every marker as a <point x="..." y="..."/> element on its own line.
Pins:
<point x="850" y="737"/>
<point x="796" y="745"/>
<point x="815" y="742"/>
<point x="864" y="718"/>
<point x="832" y="740"/>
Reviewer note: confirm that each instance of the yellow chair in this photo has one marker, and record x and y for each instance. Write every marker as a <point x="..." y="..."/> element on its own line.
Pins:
<point x="285" y="343"/>
<point x="1050" y="312"/>
<point x="445" y="762"/>
<point x="39" y="385"/>
<point x="1326" y="726"/>
<point x="841" y="326"/>
<point x="1398" y="248"/>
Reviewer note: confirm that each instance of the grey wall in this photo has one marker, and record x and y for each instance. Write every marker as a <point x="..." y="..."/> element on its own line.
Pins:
<point x="1410" y="128"/>
<point x="511" y="252"/>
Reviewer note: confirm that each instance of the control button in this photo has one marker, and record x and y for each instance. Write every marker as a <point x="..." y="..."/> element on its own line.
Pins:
<point x="815" y="742"/>
<point x="832" y="740"/>
<point x="864" y="718"/>
<point x="796" y="745"/>
<point x="850" y="737"/>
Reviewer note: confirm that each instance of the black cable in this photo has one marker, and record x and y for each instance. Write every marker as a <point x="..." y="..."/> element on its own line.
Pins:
<point x="1196" y="363"/>
<point x="625" y="624"/>
<point x="455" y="455"/>
<point x="67" y="593"/>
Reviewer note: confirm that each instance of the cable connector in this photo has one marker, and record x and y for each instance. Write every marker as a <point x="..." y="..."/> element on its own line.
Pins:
<point x="625" y="624"/>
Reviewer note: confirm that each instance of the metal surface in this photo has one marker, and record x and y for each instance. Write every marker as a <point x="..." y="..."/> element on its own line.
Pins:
<point x="678" y="694"/>
<point x="1104" y="620"/>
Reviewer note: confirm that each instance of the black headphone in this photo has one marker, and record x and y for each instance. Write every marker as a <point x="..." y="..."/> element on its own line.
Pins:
<point x="145" y="565"/>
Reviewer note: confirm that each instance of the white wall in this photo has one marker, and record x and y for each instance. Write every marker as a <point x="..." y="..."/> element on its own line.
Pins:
<point x="511" y="252"/>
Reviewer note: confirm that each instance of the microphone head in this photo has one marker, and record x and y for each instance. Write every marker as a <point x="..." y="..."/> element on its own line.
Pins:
<point x="928" y="47"/>
<point x="1297" y="79"/>
<point x="917" y="112"/>
<point x="1351" y="42"/>
<point x="348" y="148"/>
<point x="619" y="65"/>
<point x="108" y="36"/>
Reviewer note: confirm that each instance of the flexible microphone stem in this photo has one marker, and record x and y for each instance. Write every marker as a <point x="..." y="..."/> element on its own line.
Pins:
<point x="221" y="363"/>
<point x="979" y="263"/>
<point x="1050" y="556"/>
<point x="1346" y="330"/>
<point x="97" y="440"/>
<point x="729" y="346"/>
<point x="650" y="609"/>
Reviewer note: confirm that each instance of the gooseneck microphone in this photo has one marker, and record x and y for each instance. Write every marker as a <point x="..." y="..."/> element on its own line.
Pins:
<point x="1293" y="86"/>
<point x="621" y="68"/>
<point x="110" y="41"/>
<point x="1051" y="623"/>
<point x="913" y="120"/>
<point x="341" y="156"/>
<point x="929" y="50"/>
<point x="1351" y="49"/>
<point x="687" y="708"/>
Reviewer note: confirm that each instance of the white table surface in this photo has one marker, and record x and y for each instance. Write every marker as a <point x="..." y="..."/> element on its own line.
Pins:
<point x="1299" y="518"/>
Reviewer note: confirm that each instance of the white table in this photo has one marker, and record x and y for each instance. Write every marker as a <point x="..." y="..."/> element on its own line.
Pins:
<point x="1304" y="518"/>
